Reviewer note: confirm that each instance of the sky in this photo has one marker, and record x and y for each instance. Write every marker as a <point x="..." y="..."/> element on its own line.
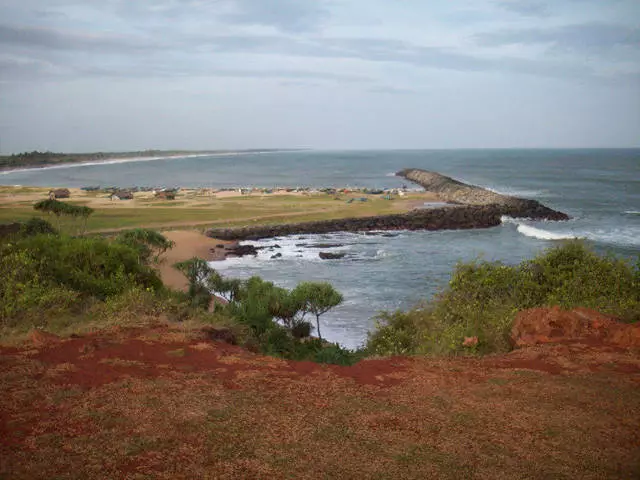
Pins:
<point x="120" y="75"/>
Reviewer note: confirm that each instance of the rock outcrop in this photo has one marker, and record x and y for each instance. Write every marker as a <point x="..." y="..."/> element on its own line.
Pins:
<point x="331" y="256"/>
<point x="554" y="325"/>
<point x="454" y="191"/>
<point x="447" y="218"/>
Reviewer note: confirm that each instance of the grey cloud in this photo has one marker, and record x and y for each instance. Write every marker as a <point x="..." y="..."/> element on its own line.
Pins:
<point x="151" y="56"/>
<point x="50" y="39"/>
<point x="394" y="51"/>
<point x="592" y="37"/>
<point x="286" y="15"/>
<point x="24" y="69"/>
<point x="392" y="90"/>
<point x="525" y="8"/>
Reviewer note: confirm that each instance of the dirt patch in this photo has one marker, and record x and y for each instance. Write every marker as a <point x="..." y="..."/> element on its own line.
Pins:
<point x="142" y="403"/>
<point x="555" y="325"/>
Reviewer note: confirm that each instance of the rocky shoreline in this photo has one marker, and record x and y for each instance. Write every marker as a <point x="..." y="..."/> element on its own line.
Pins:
<point x="473" y="207"/>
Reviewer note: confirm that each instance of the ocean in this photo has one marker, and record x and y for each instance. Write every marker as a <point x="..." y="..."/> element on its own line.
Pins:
<point x="600" y="189"/>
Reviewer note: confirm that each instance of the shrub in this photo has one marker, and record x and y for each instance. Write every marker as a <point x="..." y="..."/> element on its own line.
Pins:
<point x="149" y="243"/>
<point x="336" y="355"/>
<point x="252" y="305"/>
<point x="301" y="329"/>
<point x="37" y="226"/>
<point x="396" y="334"/>
<point x="45" y="272"/>
<point x="483" y="298"/>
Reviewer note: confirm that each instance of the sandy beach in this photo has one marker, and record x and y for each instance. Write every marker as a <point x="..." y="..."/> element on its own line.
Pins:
<point x="188" y="244"/>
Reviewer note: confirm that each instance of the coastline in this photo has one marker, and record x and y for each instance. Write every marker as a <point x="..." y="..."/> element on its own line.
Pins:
<point x="133" y="158"/>
<point x="188" y="244"/>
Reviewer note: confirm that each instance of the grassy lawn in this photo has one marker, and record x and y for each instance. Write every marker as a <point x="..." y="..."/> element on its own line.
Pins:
<point x="190" y="209"/>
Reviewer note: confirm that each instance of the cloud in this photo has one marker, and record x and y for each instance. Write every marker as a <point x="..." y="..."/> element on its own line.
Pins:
<point x="379" y="50"/>
<point x="392" y="90"/>
<point x="51" y="39"/>
<point x="525" y="8"/>
<point x="24" y="69"/>
<point x="285" y="15"/>
<point x="591" y="37"/>
<point x="197" y="54"/>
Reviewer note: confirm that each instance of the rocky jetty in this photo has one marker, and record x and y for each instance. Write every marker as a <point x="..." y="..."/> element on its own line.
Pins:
<point x="470" y="207"/>
<point x="453" y="191"/>
<point x="448" y="218"/>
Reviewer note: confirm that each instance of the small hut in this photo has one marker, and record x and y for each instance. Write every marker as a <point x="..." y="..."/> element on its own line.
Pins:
<point x="122" y="195"/>
<point x="59" y="193"/>
<point x="166" y="195"/>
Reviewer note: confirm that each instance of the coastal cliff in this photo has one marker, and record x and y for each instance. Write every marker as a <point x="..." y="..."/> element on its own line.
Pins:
<point x="472" y="207"/>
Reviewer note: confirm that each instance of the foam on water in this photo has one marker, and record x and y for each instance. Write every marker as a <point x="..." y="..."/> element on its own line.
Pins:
<point x="628" y="236"/>
<point x="514" y="192"/>
<point x="541" y="234"/>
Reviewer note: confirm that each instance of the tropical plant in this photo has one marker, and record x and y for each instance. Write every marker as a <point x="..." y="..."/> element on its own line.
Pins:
<point x="59" y="209"/>
<point x="197" y="272"/>
<point x="149" y="243"/>
<point x="317" y="298"/>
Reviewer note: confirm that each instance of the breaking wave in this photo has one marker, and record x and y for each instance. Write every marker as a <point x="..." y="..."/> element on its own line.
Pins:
<point x="541" y="234"/>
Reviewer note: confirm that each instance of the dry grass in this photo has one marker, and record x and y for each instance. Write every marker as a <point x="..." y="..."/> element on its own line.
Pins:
<point x="191" y="209"/>
<point x="137" y="409"/>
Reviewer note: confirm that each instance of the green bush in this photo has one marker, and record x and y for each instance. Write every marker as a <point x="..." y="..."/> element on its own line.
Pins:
<point x="301" y="329"/>
<point x="37" y="226"/>
<point x="45" y="274"/>
<point x="90" y="266"/>
<point x="256" y="304"/>
<point x="483" y="298"/>
<point x="334" y="354"/>
<point x="149" y="243"/>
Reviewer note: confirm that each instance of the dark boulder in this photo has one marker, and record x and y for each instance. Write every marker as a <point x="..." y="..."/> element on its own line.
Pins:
<point x="326" y="245"/>
<point x="241" y="251"/>
<point x="331" y="256"/>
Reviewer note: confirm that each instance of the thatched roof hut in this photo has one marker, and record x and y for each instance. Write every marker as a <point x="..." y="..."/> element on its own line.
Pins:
<point x="166" y="194"/>
<point x="122" y="195"/>
<point x="59" y="193"/>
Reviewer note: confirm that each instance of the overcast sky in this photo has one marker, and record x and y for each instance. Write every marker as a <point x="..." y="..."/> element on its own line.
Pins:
<point x="89" y="75"/>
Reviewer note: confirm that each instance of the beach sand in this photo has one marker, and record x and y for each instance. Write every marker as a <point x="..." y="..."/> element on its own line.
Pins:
<point x="188" y="244"/>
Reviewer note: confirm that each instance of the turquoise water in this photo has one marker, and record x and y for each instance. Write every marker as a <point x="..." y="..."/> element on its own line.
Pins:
<point x="600" y="189"/>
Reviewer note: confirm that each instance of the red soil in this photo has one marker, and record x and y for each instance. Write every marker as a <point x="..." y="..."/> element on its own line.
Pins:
<point x="555" y="325"/>
<point x="444" y="413"/>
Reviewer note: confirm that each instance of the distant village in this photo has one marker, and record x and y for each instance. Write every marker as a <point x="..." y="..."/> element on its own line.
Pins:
<point x="116" y="193"/>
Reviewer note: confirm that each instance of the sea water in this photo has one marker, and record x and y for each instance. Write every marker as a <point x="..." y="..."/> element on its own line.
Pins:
<point x="600" y="189"/>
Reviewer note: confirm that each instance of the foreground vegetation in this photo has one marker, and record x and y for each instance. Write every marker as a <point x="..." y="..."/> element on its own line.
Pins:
<point x="58" y="282"/>
<point x="483" y="298"/>
<point x="55" y="280"/>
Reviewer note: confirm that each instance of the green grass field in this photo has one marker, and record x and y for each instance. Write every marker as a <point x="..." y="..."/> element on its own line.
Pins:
<point x="201" y="211"/>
